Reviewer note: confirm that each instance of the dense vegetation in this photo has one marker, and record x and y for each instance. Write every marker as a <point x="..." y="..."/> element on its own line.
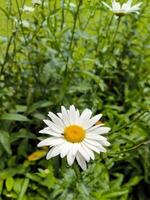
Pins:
<point x="74" y="52"/>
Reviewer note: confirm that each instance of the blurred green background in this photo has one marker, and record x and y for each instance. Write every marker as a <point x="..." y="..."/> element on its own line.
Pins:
<point x="74" y="52"/>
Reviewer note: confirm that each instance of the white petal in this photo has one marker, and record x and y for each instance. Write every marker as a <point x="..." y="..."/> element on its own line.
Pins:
<point x="65" y="116"/>
<point x="95" y="137"/>
<point x="103" y="141"/>
<point x="83" y="152"/>
<point x="53" y="126"/>
<point x="74" y="148"/>
<point x="95" y="127"/>
<point x="65" y="149"/>
<point x="94" y="148"/>
<point x="72" y="153"/>
<point x="93" y="120"/>
<point x="135" y="8"/>
<point x="85" y="116"/>
<point x="59" y="115"/>
<point x="89" y="151"/>
<point x="70" y="158"/>
<point x="77" y="117"/>
<point x="92" y="142"/>
<point x="56" y="120"/>
<point x="81" y="161"/>
<point x="54" y="151"/>
<point x="115" y="5"/>
<point x="100" y="130"/>
<point x="125" y="6"/>
<point x="50" y="141"/>
<point x="49" y="131"/>
<point x="72" y="114"/>
<point x="129" y="3"/>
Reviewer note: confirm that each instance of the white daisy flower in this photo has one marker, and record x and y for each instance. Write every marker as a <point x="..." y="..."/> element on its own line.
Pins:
<point x="75" y="136"/>
<point x="38" y="2"/>
<point x="123" y="9"/>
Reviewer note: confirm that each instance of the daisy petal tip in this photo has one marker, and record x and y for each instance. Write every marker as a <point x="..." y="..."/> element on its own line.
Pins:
<point x="63" y="107"/>
<point x="108" y="129"/>
<point x="100" y="115"/>
<point x="69" y="163"/>
<point x="72" y="106"/>
<point x="107" y="144"/>
<point x="104" y="150"/>
<point x="38" y="145"/>
<point x="41" y="144"/>
<point x="41" y="131"/>
<point x="45" y="121"/>
<point x="47" y="157"/>
<point x="84" y="168"/>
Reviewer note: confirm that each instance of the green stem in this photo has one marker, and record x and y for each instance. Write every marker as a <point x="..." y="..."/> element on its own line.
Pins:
<point x="77" y="171"/>
<point x="72" y="37"/>
<point x="132" y="148"/>
<point x="62" y="14"/>
<point x="115" y="34"/>
<point x="70" y="50"/>
<point x="128" y="124"/>
<point x="107" y="31"/>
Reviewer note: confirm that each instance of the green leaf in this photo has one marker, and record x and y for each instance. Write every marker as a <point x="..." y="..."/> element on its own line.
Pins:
<point x="22" y="133"/>
<point x="9" y="183"/>
<point x="116" y="193"/>
<point x="18" y="185"/>
<point x="134" y="181"/>
<point x="5" y="141"/>
<point x="14" y="117"/>
<point x="23" y="188"/>
<point x="39" y="104"/>
<point x="116" y="183"/>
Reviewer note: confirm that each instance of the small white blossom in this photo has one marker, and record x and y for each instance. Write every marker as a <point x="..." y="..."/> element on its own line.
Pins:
<point x="38" y="2"/>
<point x="74" y="135"/>
<point x="123" y="9"/>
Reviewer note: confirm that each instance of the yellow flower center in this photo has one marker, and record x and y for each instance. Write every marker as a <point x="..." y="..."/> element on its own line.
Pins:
<point x="74" y="133"/>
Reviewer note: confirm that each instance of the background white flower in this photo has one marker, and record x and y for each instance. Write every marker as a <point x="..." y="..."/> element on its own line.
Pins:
<point x="39" y="2"/>
<point x="75" y="136"/>
<point x="123" y="9"/>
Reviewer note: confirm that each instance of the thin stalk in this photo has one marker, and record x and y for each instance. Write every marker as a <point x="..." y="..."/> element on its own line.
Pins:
<point x="77" y="171"/>
<point x="107" y="31"/>
<point x="62" y="14"/>
<point x="111" y="45"/>
<point x="115" y="33"/>
<point x="137" y="146"/>
<point x="72" y="36"/>
<point x="70" y="50"/>
<point x="20" y="19"/>
<point x="55" y="18"/>
<point x="6" y="54"/>
<point x="128" y="124"/>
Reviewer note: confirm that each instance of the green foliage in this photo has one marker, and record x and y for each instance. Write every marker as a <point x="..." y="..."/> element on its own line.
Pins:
<point x="74" y="52"/>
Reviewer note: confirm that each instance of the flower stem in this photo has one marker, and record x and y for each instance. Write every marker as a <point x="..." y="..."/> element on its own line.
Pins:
<point x="131" y="148"/>
<point x="77" y="171"/>
<point x="115" y="34"/>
